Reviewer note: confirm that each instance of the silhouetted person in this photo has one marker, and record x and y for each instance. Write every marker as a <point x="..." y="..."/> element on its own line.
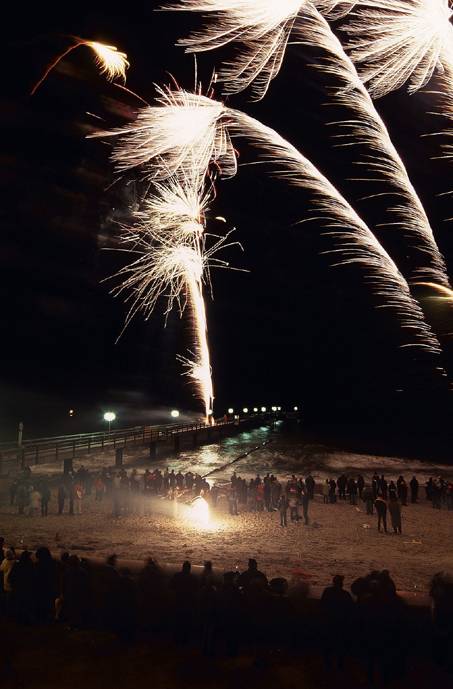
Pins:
<point x="209" y="605"/>
<point x="231" y="613"/>
<point x="250" y="574"/>
<point x="46" y="584"/>
<point x="395" y="515"/>
<point x="381" y="509"/>
<point x="152" y="596"/>
<point x="338" y="609"/>
<point x="185" y="586"/>
<point x="413" y="483"/>
<point x="78" y="594"/>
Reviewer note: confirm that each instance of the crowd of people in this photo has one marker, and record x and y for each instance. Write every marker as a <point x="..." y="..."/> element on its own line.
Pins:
<point x="221" y="612"/>
<point x="134" y="493"/>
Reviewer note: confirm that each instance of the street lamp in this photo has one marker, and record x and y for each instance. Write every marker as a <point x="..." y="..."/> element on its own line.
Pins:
<point x="174" y="414"/>
<point x="109" y="416"/>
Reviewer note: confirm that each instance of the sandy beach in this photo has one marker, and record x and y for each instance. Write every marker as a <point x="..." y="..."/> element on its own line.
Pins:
<point x="340" y="538"/>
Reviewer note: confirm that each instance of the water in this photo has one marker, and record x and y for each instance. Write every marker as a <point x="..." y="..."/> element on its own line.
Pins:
<point x="286" y="451"/>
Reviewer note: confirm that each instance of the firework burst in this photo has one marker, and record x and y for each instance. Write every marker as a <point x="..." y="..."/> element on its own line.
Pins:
<point x="394" y="41"/>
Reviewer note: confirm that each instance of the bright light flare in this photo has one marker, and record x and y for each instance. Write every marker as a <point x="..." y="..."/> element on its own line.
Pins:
<point x="199" y="512"/>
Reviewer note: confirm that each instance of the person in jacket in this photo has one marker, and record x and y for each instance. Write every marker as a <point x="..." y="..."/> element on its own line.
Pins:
<point x="395" y="515"/>
<point x="367" y="497"/>
<point x="283" y="510"/>
<point x="33" y="502"/>
<point x="381" y="509"/>
<point x="77" y="496"/>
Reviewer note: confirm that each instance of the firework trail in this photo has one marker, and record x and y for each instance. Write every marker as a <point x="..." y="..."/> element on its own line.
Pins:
<point x="173" y="262"/>
<point x="354" y="241"/>
<point x="400" y="40"/>
<point x="263" y="29"/>
<point x="370" y="130"/>
<point x="262" y="26"/>
<point x="107" y="57"/>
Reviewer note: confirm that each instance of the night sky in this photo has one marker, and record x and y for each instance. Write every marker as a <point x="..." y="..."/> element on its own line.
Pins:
<point x="286" y="329"/>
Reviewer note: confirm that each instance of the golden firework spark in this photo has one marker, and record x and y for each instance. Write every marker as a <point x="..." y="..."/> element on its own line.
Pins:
<point x="395" y="41"/>
<point x="108" y="58"/>
<point x="263" y="28"/>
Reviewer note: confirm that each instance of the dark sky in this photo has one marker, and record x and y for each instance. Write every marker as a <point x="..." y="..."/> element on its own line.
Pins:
<point x="292" y="330"/>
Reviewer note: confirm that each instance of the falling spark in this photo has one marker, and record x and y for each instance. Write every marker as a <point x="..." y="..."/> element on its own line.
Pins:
<point x="354" y="241"/>
<point x="400" y="40"/>
<point x="108" y="59"/>
<point x="369" y="129"/>
<point x="262" y="26"/>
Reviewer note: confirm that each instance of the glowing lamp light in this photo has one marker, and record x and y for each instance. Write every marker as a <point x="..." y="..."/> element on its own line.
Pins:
<point x="109" y="416"/>
<point x="255" y="409"/>
<point x="274" y="408"/>
<point x="71" y="412"/>
<point x="230" y="411"/>
<point x="174" y="413"/>
<point x="296" y="408"/>
<point x="263" y="409"/>
<point x="245" y="410"/>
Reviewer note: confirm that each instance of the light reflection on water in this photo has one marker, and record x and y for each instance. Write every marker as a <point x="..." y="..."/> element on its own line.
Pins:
<point x="288" y="453"/>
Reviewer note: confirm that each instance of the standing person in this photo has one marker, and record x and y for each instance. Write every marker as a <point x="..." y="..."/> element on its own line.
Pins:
<point x="13" y="492"/>
<point x="6" y="568"/>
<point x="332" y="494"/>
<point x="381" y="509"/>
<point x="283" y="509"/>
<point x="435" y="496"/>
<point x="185" y="585"/>
<point x="45" y="499"/>
<point x="413" y="483"/>
<point x="341" y="484"/>
<point x="352" y="491"/>
<point x="77" y="496"/>
<point x="383" y="485"/>
<point x="22" y="497"/>
<point x="395" y="515"/>
<point x="293" y="503"/>
<point x="33" y="501"/>
<point x="360" y="484"/>
<point x="338" y="609"/>
<point x="259" y="491"/>
<point x="61" y="497"/>
<point x="310" y="484"/>
<point x="232" y="499"/>
<point x="304" y="499"/>
<point x="392" y="491"/>
<point x="398" y="485"/>
<point x="367" y="497"/>
<point x="403" y="492"/>
<point x="99" y="487"/>
<point x="375" y="485"/>
<point x="326" y="491"/>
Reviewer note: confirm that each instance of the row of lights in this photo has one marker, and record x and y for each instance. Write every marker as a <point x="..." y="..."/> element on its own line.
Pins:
<point x="255" y="409"/>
